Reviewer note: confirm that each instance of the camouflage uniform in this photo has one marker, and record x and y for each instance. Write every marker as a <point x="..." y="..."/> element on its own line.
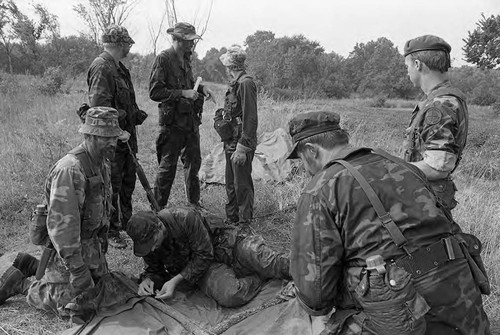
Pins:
<point x="437" y="134"/>
<point x="78" y="195"/>
<point x="241" y="105"/>
<point x="201" y="252"/>
<point x="110" y="84"/>
<point x="337" y="229"/>
<point x="179" y="120"/>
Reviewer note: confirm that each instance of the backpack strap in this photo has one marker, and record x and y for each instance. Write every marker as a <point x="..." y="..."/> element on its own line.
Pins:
<point x="382" y="214"/>
<point x="83" y="157"/>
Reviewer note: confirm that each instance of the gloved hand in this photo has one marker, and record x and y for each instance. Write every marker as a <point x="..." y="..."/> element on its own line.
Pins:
<point x="239" y="156"/>
<point x="124" y="137"/>
<point x="80" y="279"/>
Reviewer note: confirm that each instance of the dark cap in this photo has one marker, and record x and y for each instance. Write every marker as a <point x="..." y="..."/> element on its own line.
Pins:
<point x="142" y="229"/>
<point x="184" y="31"/>
<point x="116" y="34"/>
<point x="426" y="42"/>
<point x="308" y="124"/>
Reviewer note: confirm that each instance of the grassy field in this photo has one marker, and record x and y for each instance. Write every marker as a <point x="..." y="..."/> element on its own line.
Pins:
<point x="35" y="131"/>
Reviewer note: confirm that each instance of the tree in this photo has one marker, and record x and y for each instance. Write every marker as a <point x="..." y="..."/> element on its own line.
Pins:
<point x="7" y="35"/>
<point x="482" y="46"/>
<point x="99" y="14"/>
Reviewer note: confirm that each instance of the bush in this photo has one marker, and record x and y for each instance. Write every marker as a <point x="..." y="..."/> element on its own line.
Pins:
<point x="485" y="99"/>
<point x="9" y="84"/>
<point x="377" y="102"/>
<point x="52" y="81"/>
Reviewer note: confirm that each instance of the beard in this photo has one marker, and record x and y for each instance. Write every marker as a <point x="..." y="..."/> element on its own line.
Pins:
<point x="108" y="152"/>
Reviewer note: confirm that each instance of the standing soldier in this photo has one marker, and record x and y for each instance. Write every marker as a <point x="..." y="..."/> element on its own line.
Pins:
<point x="240" y="107"/>
<point x="78" y="196"/>
<point x="110" y="85"/>
<point x="438" y="128"/>
<point x="180" y="107"/>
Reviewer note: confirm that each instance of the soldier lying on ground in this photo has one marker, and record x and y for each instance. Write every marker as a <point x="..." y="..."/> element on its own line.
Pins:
<point x="78" y="194"/>
<point x="181" y="244"/>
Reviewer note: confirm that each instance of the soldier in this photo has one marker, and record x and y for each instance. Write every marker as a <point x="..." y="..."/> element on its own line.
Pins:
<point x="436" y="136"/>
<point x="110" y="85"/>
<point x="180" y="107"/>
<point x="370" y="240"/>
<point x="180" y="244"/>
<point x="240" y="106"/>
<point x="78" y="195"/>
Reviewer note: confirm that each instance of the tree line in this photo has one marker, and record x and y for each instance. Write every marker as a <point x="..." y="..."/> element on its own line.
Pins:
<point x="289" y="66"/>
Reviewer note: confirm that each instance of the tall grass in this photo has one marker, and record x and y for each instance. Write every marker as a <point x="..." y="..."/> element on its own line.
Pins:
<point x="35" y="131"/>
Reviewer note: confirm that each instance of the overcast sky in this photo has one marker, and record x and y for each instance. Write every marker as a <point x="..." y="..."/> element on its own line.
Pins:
<point x="336" y="24"/>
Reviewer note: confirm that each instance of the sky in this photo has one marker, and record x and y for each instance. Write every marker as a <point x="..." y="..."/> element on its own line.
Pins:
<point x="337" y="25"/>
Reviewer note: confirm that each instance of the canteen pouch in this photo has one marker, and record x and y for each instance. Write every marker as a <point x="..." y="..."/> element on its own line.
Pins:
<point x="471" y="246"/>
<point x="38" y="226"/>
<point x="391" y="303"/>
<point x="223" y="125"/>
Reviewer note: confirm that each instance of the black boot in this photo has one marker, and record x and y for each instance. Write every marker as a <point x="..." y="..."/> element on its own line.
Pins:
<point x="26" y="263"/>
<point x="12" y="282"/>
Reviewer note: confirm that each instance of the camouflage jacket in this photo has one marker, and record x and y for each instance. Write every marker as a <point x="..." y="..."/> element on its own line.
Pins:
<point x="241" y="103"/>
<point x="186" y="249"/>
<point x="110" y="85"/>
<point x="438" y="129"/>
<point x="169" y="76"/>
<point x="336" y="227"/>
<point x="77" y="234"/>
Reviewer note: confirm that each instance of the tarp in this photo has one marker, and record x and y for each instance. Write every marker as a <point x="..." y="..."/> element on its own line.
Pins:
<point x="269" y="163"/>
<point x="272" y="311"/>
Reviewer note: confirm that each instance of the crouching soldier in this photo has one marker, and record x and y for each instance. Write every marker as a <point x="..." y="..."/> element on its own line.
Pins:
<point x="180" y="244"/>
<point x="78" y="196"/>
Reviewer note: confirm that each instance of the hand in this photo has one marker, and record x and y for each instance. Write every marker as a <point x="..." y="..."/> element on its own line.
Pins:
<point x="167" y="291"/>
<point x="124" y="137"/>
<point x="190" y="94"/>
<point x="238" y="158"/>
<point x="209" y="94"/>
<point x="146" y="287"/>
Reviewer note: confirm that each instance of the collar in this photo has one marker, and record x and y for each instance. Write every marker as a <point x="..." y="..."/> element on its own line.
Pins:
<point x="347" y="153"/>
<point x="107" y="56"/>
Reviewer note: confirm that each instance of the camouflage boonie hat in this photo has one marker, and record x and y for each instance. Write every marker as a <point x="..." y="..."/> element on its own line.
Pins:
<point x="426" y="42"/>
<point x="116" y="34"/>
<point x="308" y="124"/>
<point x="184" y="31"/>
<point x="142" y="228"/>
<point x="101" y="121"/>
<point x="235" y="57"/>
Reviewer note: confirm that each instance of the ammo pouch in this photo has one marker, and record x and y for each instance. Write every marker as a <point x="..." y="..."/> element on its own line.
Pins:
<point x="391" y="303"/>
<point x="140" y="117"/>
<point x="223" y="125"/>
<point x="471" y="247"/>
<point x="166" y="114"/>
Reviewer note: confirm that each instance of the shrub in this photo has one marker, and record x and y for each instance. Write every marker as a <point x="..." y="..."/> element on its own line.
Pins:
<point x="52" y="81"/>
<point x="377" y="102"/>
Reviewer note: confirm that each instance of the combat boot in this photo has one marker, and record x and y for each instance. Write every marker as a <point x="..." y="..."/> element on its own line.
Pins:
<point x="26" y="263"/>
<point x="12" y="282"/>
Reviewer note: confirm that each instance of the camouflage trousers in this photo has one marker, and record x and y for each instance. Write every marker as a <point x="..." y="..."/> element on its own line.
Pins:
<point x="455" y="302"/>
<point x="123" y="179"/>
<point x="241" y="264"/>
<point x="171" y="143"/>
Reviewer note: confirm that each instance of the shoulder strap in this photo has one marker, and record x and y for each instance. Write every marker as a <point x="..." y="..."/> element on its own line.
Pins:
<point x="382" y="214"/>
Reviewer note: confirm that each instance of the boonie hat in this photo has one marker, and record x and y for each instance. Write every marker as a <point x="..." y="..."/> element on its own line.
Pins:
<point x="426" y="42"/>
<point x="184" y="30"/>
<point x="308" y="124"/>
<point x="142" y="228"/>
<point x="116" y="34"/>
<point x="101" y="121"/>
<point x="235" y="56"/>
